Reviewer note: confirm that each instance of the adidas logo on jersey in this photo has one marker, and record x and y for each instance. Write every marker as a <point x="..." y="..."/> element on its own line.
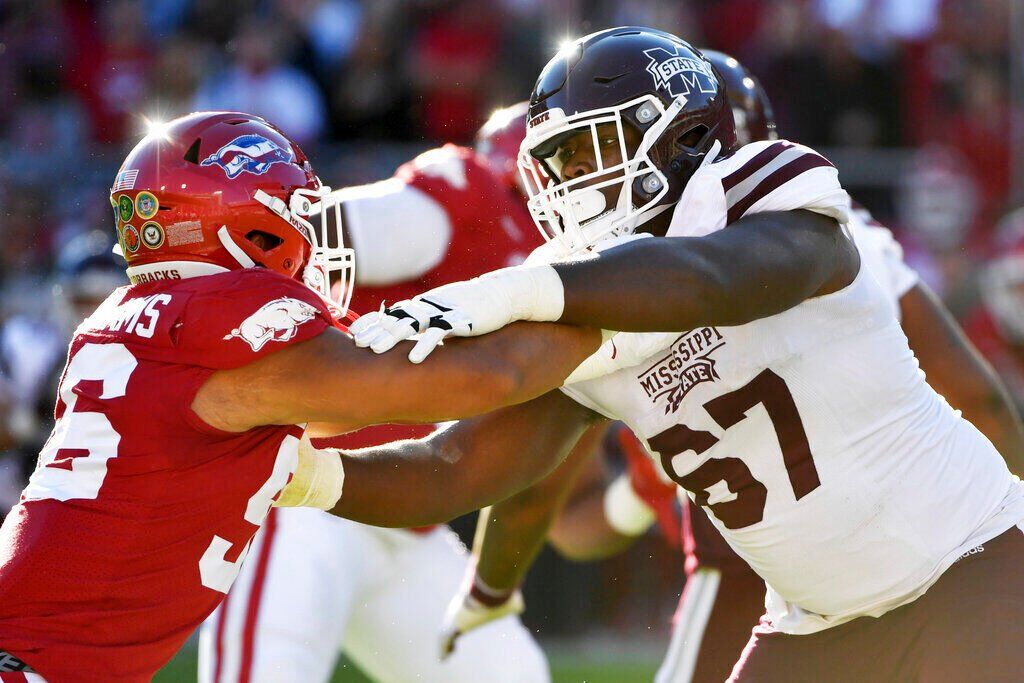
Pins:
<point x="688" y="364"/>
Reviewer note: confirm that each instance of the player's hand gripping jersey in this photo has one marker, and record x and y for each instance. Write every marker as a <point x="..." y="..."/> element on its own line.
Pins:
<point x="138" y="516"/>
<point x="810" y="437"/>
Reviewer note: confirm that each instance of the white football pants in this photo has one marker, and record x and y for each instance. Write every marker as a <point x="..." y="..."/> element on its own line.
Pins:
<point x="314" y="585"/>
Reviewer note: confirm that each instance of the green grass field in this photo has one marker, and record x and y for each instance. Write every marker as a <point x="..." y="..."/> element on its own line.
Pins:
<point x="566" y="668"/>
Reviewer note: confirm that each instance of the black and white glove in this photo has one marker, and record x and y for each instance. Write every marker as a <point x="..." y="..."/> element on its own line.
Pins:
<point x="464" y="309"/>
<point x="531" y="291"/>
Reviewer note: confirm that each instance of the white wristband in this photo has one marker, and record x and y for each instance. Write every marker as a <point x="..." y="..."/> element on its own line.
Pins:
<point x="317" y="481"/>
<point x="625" y="511"/>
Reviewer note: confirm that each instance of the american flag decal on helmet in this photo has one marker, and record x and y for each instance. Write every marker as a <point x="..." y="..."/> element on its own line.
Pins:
<point x="125" y="180"/>
<point x="765" y="172"/>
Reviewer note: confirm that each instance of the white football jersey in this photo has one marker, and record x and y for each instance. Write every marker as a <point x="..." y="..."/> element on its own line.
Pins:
<point x="811" y="437"/>
<point x="882" y="256"/>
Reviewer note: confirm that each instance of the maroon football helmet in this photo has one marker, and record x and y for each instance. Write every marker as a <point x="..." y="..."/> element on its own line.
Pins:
<point x="639" y="78"/>
<point x="216" y="191"/>
<point x="751" y="108"/>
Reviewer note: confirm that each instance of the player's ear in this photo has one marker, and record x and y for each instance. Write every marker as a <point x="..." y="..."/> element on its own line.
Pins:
<point x="263" y="240"/>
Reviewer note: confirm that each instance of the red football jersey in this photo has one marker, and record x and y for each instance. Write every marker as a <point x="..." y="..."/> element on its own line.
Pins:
<point x="490" y="225"/>
<point x="138" y="516"/>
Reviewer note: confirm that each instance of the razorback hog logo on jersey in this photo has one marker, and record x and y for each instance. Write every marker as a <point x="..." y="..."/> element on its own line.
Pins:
<point x="249" y="154"/>
<point x="680" y="75"/>
<point x="687" y="364"/>
<point x="277" y="321"/>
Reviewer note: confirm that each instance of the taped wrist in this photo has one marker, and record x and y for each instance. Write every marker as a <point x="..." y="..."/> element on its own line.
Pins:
<point x="489" y="597"/>
<point x="625" y="511"/>
<point x="317" y="481"/>
<point x="533" y="292"/>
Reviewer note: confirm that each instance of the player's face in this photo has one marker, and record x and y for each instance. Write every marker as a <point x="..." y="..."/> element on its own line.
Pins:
<point x="577" y="156"/>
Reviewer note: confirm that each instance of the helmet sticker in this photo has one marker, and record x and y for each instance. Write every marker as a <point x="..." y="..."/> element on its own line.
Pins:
<point x="130" y="238"/>
<point x="249" y="154"/>
<point x="125" y="180"/>
<point x="146" y="205"/>
<point x="680" y="75"/>
<point x="153" y="235"/>
<point x="125" y="208"/>
<point x="185" y="232"/>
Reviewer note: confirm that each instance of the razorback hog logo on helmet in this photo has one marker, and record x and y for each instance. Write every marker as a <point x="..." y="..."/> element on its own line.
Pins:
<point x="680" y="75"/>
<point x="277" y="321"/>
<point x="249" y="154"/>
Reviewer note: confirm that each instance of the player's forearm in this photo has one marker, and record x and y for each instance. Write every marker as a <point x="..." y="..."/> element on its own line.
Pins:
<point x="958" y="371"/>
<point x="511" y="534"/>
<point x="758" y="266"/>
<point x="469" y="377"/>
<point x="508" y="543"/>
<point x="328" y="379"/>
<point x="998" y="421"/>
<point x="989" y="407"/>
<point x="463" y="468"/>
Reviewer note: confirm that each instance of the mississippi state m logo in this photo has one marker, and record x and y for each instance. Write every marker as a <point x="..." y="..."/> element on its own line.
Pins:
<point x="680" y="75"/>
<point x="249" y="154"/>
<point x="687" y="364"/>
<point x="277" y="321"/>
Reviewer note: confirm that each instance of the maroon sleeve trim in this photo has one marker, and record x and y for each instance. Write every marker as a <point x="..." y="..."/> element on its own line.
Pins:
<point x="487" y="596"/>
<point x="774" y="181"/>
<point x="754" y="164"/>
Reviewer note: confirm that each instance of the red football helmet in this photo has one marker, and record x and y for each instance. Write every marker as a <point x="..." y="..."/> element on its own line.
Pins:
<point x="499" y="139"/>
<point x="1002" y="280"/>
<point x="215" y="191"/>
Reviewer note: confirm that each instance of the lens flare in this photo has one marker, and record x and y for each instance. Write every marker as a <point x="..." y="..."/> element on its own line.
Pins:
<point x="155" y="127"/>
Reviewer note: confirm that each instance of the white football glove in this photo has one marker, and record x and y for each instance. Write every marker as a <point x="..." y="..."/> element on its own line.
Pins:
<point x="464" y="309"/>
<point x="531" y="291"/>
<point x="317" y="481"/>
<point x="466" y="612"/>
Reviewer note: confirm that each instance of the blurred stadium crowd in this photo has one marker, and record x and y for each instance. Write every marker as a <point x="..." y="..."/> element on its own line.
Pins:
<point x="913" y="101"/>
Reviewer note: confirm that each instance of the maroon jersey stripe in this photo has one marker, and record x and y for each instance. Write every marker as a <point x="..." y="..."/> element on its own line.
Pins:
<point x="774" y="181"/>
<point x="255" y="596"/>
<point x="756" y="163"/>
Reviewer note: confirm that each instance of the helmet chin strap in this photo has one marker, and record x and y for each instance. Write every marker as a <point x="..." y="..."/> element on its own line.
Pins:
<point x="233" y="249"/>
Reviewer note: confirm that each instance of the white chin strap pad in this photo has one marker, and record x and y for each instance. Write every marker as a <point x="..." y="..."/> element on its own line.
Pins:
<point x="233" y="249"/>
<point x="586" y="204"/>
